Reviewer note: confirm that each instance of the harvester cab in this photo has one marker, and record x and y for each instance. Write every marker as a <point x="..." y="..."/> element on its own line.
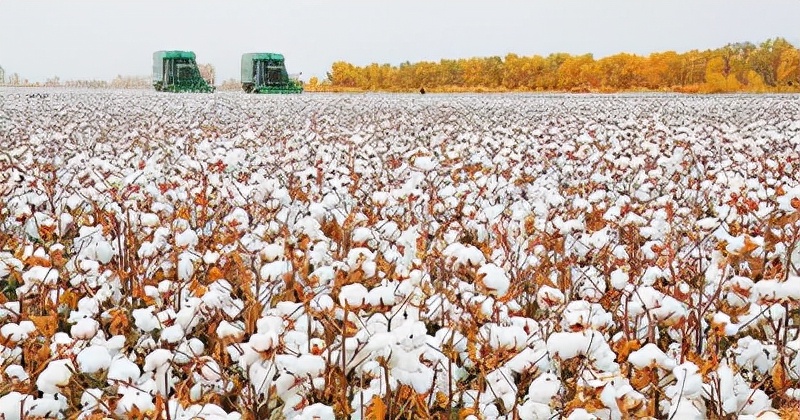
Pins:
<point x="177" y="71"/>
<point x="266" y="73"/>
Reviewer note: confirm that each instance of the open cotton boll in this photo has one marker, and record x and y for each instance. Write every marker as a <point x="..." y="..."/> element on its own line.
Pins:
<point x="495" y="279"/>
<point x="264" y="341"/>
<point x="172" y="334"/>
<point x="651" y="355"/>
<point x="274" y="270"/>
<point x="382" y="295"/>
<point x="581" y="314"/>
<point x="589" y="343"/>
<point x="17" y="332"/>
<point x="544" y="388"/>
<point x="91" y="400"/>
<point x="531" y="410"/>
<point x="48" y="405"/>
<point x="688" y="382"/>
<point x="185" y="268"/>
<point x="549" y="297"/>
<point x="12" y="405"/>
<point x="188" y="238"/>
<point x="93" y="359"/>
<point x="123" y="370"/>
<point x="271" y="252"/>
<point x="226" y="329"/>
<point x="16" y="372"/>
<point x="425" y="163"/>
<point x="317" y="411"/>
<point x="145" y="320"/>
<point x="103" y="252"/>
<point x="131" y="398"/>
<point x="149" y="219"/>
<point x="39" y="274"/>
<point x="84" y="329"/>
<point x="461" y="255"/>
<point x="56" y="375"/>
<point x="157" y="359"/>
<point x="353" y="295"/>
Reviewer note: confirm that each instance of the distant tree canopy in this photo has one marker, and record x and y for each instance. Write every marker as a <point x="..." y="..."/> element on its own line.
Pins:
<point x="774" y="65"/>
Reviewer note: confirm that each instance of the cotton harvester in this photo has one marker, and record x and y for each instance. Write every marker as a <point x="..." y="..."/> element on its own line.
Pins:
<point x="176" y="71"/>
<point x="266" y="73"/>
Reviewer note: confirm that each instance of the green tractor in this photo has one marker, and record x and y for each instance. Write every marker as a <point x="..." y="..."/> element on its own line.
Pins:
<point x="176" y="71"/>
<point x="266" y="73"/>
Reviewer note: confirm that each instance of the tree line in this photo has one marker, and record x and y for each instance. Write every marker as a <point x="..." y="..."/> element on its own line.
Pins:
<point x="772" y="66"/>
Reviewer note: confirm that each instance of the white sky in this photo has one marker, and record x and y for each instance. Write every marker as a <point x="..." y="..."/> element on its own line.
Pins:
<point x="100" y="39"/>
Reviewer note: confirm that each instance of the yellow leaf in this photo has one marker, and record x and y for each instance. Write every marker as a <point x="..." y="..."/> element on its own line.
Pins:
<point x="376" y="410"/>
<point x="779" y="377"/>
<point x="45" y="324"/>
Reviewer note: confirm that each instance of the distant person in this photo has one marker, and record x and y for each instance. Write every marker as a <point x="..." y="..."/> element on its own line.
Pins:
<point x="422" y="90"/>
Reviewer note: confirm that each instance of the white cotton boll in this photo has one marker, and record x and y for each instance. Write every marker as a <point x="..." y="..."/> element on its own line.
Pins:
<point x="581" y="414"/>
<point x="210" y="257"/>
<point x="46" y="406"/>
<point x="264" y="341"/>
<point x="93" y="359"/>
<point x="14" y="332"/>
<point x="544" y="388"/>
<point x="272" y="252"/>
<point x="531" y="410"/>
<point x="301" y="366"/>
<point x="549" y="297"/>
<point x="195" y="347"/>
<point x="39" y="274"/>
<point x="272" y="323"/>
<point x="149" y="219"/>
<point x="16" y="372"/>
<point x="225" y="329"/>
<point x="104" y="252"/>
<point x="619" y="279"/>
<point x="158" y="358"/>
<point x="57" y="374"/>
<point x="382" y="295"/>
<point x="123" y="370"/>
<point x="91" y="400"/>
<point x="145" y="320"/>
<point x="495" y="279"/>
<point x="147" y="250"/>
<point x="462" y="255"/>
<point x="274" y="270"/>
<point x="353" y="295"/>
<point x="187" y="238"/>
<point x="84" y="329"/>
<point x="185" y="269"/>
<point x="317" y="411"/>
<point x="12" y="404"/>
<point x="684" y="408"/>
<point x="209" y="372"/>
<point x="650" y="355"/>
<point x="262" y="376"/>
<point x="688" y="382"/>
<point x="362" y="234"/>
<point x="425" y="163"/>
<point x="172" y="334"/>
<point x="143" y="401"/>
<point x="754" y="402"/>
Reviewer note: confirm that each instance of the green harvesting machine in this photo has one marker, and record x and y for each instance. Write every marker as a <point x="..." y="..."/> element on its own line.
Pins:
<point x="176" y="71"/>
<point x="266" y="73"/>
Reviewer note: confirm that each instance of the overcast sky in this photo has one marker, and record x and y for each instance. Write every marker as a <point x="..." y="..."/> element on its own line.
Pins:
<point x="100" y="39"/>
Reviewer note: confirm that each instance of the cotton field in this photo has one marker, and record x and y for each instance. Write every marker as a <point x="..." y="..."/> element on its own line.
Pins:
<point x="222" y="256"/>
